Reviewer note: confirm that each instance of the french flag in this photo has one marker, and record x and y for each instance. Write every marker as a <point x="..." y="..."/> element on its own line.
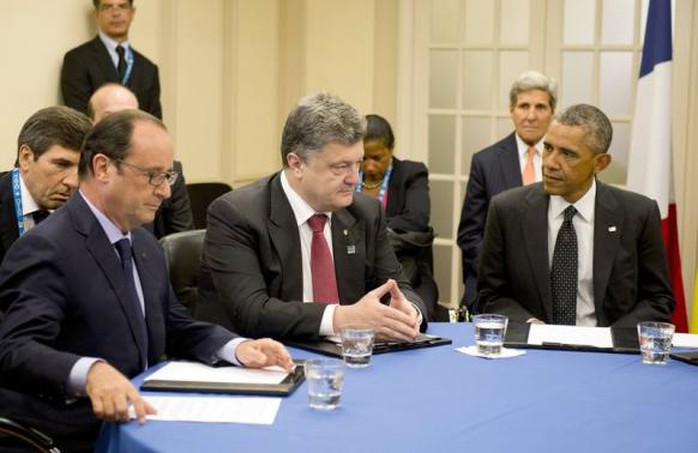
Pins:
<point x="650" y="166"/>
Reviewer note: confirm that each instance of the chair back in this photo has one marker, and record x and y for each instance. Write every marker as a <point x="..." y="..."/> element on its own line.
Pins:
<point x="201" y="194"/>
<point x="183" y="255"/>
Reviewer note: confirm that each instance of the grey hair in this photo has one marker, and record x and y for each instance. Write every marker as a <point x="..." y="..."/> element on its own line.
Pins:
<point x="318" y="120"/>
<point x="533" y="80"/>
<point x="597" y="126"/>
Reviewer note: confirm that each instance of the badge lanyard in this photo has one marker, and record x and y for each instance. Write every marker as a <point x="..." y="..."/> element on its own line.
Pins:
<point x="17" y="195"/>
<point x="129" y="65"/>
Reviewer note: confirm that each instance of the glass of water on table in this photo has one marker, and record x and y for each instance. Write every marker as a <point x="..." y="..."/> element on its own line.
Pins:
<point x="490" y="330"/>
<point x="325" y="379"/>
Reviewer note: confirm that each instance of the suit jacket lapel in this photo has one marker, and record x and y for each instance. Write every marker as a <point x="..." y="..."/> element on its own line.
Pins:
<point x="107" y="259"/>
<point x="104" y="61"/>
<point x="534" y="230"/>
<point x="283" y="234"/>
<point x="608" y="227"/>
<point x="349" y="253"/>
<point x="509" y="162"/>
<point x="150" y="284"/>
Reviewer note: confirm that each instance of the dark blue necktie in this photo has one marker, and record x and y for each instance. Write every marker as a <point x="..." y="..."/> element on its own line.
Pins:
<point x="39" y="216"/>
<point x="121" y="64"/>
<point x="563" y="274"/>
<point x="123" y="246"/>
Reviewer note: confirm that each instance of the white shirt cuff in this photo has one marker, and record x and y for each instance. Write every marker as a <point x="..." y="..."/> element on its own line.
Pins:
<point x="228" y="351"/>
<point x="326" y="325"/>
<point x="77" y="379"/>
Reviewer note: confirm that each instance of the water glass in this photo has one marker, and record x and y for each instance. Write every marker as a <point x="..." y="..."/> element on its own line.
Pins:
<point x="357" y="345"/>
<point x="325" y="378"/>
<point x="489" y="333"/>
<point x="655" y="341"/>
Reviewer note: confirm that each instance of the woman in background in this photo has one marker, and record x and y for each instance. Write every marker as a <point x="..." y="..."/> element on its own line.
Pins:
<point x="402" y="186"/>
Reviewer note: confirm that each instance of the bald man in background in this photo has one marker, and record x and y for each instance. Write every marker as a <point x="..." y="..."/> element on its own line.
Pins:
<point x="175" y="213"/>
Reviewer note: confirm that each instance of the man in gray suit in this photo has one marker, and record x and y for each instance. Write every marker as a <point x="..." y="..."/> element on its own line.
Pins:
<point x="511" y="162"/>
<point x="572" y="250"/>
<point x="294" y="254"/>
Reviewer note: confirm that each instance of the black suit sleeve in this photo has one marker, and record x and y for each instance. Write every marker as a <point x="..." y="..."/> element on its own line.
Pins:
<point x="150" y="99"/>
<point x="76" y="85"/>
<point x="495" y="293"/>
<point x="471" y="227"/>
<point x="415" y="214"/>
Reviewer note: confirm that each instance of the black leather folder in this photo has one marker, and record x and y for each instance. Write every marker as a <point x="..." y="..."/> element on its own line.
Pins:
<point x="332" y="349"/>
<point x="285" y="387"/>
<point x="624" y="340"/>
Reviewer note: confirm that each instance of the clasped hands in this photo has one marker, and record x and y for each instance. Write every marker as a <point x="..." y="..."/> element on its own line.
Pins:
<point x="396" y="321"/>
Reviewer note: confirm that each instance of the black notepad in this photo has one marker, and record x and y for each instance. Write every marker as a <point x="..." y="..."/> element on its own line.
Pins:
<point x="379" y="347"/>
<point x="285" y="387"/>
<point x="624" y="340"/>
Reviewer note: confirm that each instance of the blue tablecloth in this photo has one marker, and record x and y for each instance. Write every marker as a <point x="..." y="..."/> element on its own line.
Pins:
<point x="439" y="400"/>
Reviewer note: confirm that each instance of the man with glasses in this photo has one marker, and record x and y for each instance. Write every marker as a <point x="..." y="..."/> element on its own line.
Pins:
<point x="87" y="299"/>
<point x="109" y="57"/>
<point x="45" y="173"/>
<point x="175" y="213"/>
<point x="300" y="254"/>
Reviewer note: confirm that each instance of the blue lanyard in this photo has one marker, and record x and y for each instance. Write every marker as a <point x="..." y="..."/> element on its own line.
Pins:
<point x="17" y="194"/>
<point x="384" y="183"/>
<point x="129" y="65"/>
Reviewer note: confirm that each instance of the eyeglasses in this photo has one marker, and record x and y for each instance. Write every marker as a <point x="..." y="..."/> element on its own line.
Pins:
<point x="115" y="7"/>
<point x="155" y="179"/>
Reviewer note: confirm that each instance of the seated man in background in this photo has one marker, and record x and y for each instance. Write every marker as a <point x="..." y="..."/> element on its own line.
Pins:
<point x="511" y="162"/>
<point x="572" y="250"/>
<point x="174" y="214"/>
<point x="45" y="173"/>
<point x="87" y="300"/>
<point x="402" y="187"/>
<point x="294" y="254"/>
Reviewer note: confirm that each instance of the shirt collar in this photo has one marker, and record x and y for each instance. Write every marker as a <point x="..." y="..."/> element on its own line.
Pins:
<point x="584" y="206"/>
<point x="301" y="209"/>
<point x="28" y="204"/>
<point x="113" y="232"/>
<point x="112" y="43"/>
<point x="522" y="147"/>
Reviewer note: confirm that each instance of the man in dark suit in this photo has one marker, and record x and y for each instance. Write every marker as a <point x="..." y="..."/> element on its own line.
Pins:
<point x="175" y="213"/>
<point x="87" y="300"/>
<point x="504" y="165"/>
<point x="109" y="57"/>
<point x="572" y="250"/>
<point x="45" y="173"/>
<point x="294" y="254"/>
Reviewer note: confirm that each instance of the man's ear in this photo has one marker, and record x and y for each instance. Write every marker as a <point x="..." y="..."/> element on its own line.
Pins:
<point x="295" y="163"/>
<point x="602" y="161"/>
<point x="101" y="170"/>
<point x="25" y="157"/>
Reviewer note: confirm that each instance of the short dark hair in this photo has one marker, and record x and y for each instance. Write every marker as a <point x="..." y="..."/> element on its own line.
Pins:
<point x="111" y="137"/>
<point x="57" y="125"/>
<point x="97" y="3"/>
<point x="597" y="126"/>
<point x="378" y="128"/>
<point x="319" y="120"/>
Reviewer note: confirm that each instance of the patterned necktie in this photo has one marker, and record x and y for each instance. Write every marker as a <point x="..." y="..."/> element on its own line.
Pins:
<point x="121" y="65"/>
<point x="39" y="216"/>
<point x="563" y="274"/>
<point x="321" y="264"/>
<point x="529" y="174"/>
<point x="123" y="246"/>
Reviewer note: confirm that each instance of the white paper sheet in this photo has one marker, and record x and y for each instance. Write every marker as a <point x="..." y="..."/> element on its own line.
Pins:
<point x="198" y="372"/>
<point x="506" y="352"/>
<point x="685" y="340"/>
<point x="218" y="409"/>
<point x="599" y="337"/>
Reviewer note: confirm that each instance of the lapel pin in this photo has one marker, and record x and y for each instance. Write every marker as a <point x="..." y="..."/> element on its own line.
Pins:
<point x="612" y="229"/>
<point x="351" y="249"/>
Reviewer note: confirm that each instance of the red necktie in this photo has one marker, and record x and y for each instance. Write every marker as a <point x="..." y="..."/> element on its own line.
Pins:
<point x="529" y="174"/>
<point x="321" y="264"/>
